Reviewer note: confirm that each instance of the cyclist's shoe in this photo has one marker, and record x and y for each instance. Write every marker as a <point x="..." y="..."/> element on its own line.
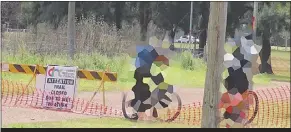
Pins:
<point x="134" y="116"/>
<point x="155" y="113"/>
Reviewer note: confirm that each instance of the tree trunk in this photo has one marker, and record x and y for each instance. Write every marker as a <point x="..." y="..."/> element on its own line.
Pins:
<point x="231" y="33"/>
<point x="172" y="38"/>
<point x="118" y="14"/>
<point x="286" y="42"/>
<point x="216" y="38"/>
<point x="265" y="55"/>
<point x="144" y="13"/>
<point x="37" y="45"/>
<point x="143" y="32"/>
<point x="204" y="25"/>
<point x="71" y="29"/>
<point x="202" y="42"/>
<point x="172" y="34"/>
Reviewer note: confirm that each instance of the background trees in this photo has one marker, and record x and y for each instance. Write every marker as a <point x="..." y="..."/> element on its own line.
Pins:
<point x="273" y="18"/>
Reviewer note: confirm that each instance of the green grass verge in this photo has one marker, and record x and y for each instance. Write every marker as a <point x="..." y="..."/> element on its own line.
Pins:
<point x="181" y="70"/>
<point x="180" y="78"/>
<point x="98" y="123"/>
<point x="281" y="54"/>
<point x="184" y="71"/>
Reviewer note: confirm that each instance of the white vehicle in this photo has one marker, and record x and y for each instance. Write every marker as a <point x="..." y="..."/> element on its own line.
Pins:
<point x="185" y="39"/>
<point x="197" y="40"/>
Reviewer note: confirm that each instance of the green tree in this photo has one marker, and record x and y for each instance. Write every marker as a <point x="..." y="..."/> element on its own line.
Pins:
<point x="174" y="13"/>
<point x="10" y="12"/>
<point x="53" y="12"/>
<point x="271" y="20"/>
<point x="118" y="13"/>
<point x="203" y="25"/>
<point x="145" y="16"/>
<point x="236" y="11"/>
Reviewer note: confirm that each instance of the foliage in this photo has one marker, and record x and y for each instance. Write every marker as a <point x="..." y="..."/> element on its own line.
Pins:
<point x="236" y="14"/>
<point x="274" y="18"/>
<point x="10" y="13"/>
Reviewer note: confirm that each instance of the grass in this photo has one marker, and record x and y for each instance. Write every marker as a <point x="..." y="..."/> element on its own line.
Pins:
<point x="184" y="71"/>
<point x="281" y="65"/>
<point x="285" y="55"/>
<point x="177" y="73"/>
<point x="188" y="115"/>
<point x="280" y="48"/>
<point x="98" y="123"/>
<point x="182" y="78"/>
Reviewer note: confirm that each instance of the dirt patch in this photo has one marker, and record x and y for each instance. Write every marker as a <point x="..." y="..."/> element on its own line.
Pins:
<point x="12" y="115"/>
<point x="273" y="84"/>
<point x="113" y="99"/>
<point x="187" y="95"/>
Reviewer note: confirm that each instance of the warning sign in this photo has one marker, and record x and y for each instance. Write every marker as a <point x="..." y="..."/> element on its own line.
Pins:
<point x="60" y="86"/>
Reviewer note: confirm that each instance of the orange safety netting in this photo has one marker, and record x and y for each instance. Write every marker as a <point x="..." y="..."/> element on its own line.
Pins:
<point x="274" y="105"/>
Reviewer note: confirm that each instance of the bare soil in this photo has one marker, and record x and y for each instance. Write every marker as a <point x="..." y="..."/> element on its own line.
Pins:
<point x="12" y="115"/>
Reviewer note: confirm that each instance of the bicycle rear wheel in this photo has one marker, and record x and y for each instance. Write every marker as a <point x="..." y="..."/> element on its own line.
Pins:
<point x="253" y="106"/>
<point x="127" y="111"/>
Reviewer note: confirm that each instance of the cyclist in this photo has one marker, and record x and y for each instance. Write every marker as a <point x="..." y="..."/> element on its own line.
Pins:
<point x="143" y="97"/>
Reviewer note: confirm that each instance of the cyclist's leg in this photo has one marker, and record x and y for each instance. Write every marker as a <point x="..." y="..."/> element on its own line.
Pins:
<point x="142" y="93"/>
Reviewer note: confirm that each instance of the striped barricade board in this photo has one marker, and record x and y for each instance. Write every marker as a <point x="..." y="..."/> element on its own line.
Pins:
<point x="82" y="74"/>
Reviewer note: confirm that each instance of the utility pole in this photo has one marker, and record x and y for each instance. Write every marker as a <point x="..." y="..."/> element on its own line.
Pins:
<point x="255" y="13"/>
<point x="71" y="29"/>
<point x="190" y="28"/>
<point x="216" y="40"/>
<point x="254" y="26"/>
<point x="286" y="39"/>
<point x="1" y="55"/>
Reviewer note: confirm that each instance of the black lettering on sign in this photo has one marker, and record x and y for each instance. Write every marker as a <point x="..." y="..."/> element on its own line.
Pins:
<point x="48" y="98"/>
<point x="49" y="104"/>
<point x="61" y="81"/>
<point x="51" y="80"/>
<point x="59" y="86"/>
<point x="60" y="105"/>
<point x="58" y="98"/>
<point x="66" y="99"/>
<point x="53" y="92"/>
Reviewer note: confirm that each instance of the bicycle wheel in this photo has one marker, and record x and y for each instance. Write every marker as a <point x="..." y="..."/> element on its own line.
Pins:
<point x="253" y="100"/>
<point x="127" y="110"/>
<point x="173" y="110"/>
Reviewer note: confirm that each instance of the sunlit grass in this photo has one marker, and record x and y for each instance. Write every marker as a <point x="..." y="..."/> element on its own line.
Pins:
<point x="184" y="70"/>
<point x="99" y="123"/>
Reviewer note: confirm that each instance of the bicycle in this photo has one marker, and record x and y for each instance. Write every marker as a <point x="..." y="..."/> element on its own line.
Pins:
<point x="256" y="108"/>
<point x="155" y="114"/>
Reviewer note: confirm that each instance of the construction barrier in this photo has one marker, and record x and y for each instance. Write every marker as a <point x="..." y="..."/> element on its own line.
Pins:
<point x="274" y="105"/>
<point x="37" y="69"/>
<point x="104" y="76"/>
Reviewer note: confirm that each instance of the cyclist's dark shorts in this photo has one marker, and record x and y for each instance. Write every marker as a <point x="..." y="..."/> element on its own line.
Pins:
<point x="142" y="93"/>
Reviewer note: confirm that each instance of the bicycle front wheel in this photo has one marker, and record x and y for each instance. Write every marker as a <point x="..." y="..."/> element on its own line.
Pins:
<point x="173" y="110"/>
<point x="253" y="106"/>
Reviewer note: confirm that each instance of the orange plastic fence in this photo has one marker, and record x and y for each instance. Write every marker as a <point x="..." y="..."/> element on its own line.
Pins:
<point x="274" y="105"/>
